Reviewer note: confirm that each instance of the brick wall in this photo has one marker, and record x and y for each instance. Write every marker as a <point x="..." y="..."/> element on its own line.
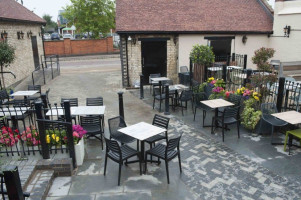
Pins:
<point x="79" y="47"/>
<point x="24" y="63"/>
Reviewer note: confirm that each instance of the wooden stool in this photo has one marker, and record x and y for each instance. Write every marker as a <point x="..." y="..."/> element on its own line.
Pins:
<point x="296" y="133"/>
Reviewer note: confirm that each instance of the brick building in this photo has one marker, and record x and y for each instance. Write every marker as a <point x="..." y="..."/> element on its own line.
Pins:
<point x="22" y="30"/>
<point x="157" y="36"/>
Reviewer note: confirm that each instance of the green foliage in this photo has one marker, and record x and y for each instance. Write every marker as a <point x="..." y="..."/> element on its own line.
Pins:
<point x="95" y="16"/>
<point x="202" y="55"/>
<point x="250" y="116"/>
<point x="261" y="57"/>
<point x="7" y="54"/>
<point x="49" y="23"/>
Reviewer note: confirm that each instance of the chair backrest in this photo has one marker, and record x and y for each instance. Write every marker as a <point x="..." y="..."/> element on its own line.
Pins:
<point x="208" y="90"/>
<point x="91" y="121"/>
<point x="73" y="101"/>
<point x="113" y="146"/>
<point x="98" y="101"/>
<point x="268" y="109"/>
<point x="231" y="112"/>
<point x="186" y="94"/>
<point x="183" y="69"/>
<point x="35" y="87"/>
<point x="154" y="76"/>
<point x="172" y="144"/>
<point x="161" y="121"/>
<point x="21" y="103"/>
<point x="3" y="96"/>
<point x="116" y="123"/>
<point x="198" y="97"/>
<point x="236" y="99"/>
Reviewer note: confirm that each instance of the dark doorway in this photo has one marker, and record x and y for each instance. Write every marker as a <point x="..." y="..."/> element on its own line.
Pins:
<point x="221" y="48"/>
<point x="154" y="58"/>
<point x="35" y="51"/>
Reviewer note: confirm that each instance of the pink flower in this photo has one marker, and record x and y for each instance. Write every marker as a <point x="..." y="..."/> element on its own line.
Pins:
<point x="75" y="134"/>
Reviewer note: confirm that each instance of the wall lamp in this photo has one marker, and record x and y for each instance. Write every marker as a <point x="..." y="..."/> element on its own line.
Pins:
<point x="175" y="39"/>
<point x="20" y="35"/>
<point x="132" y="39"/>
<point x="29" y="34"/>
<point x="244" y="39"/>
<point x="4" y="35"/>
<point x="287" y="31"/>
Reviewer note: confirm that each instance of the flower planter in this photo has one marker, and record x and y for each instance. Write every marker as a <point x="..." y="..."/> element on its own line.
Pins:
<point x="80" y="152"/>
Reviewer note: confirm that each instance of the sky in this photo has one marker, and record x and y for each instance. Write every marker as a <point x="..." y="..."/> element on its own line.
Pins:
<point x="51" y="7"/>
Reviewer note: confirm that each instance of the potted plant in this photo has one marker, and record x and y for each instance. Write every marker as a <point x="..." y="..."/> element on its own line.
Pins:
<point x="78" y="136"/>
<point x="7" y="56"/>
<point x="201" y="56"/>
<point x="31" y="137"/>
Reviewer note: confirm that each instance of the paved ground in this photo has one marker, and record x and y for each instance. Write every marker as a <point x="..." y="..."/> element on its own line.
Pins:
<point x="211" y="170"/>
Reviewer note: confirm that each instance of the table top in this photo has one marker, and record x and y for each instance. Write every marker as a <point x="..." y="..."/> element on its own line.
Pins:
<point x="178" y="87"/>
<point x="217" y="103"/>
<point x="292" y="117"/>
<point x="80" y="110"/>
<point x="25" y="93"/>
<point x="240" y="75"/>
<point x="142" y="130"/>
<point x="234" y="67"/>
<point x="214" y="69"/>
<point x="160" y="79"/>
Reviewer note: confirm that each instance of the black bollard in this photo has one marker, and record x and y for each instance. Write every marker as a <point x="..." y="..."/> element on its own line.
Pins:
<point x="13" y="183"/>
<point x="166" y="99"/>
<point x="141" y="87"/>
<point x="225" y="73"/>
<point x="40" y="115"/>
<point x="121" y="109"/>
<point x="280" y="93"/>
<point x="245" y="61"/>
<point x="190" y="73"/>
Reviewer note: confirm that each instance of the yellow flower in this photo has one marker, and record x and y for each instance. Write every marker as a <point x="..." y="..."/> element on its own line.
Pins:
<point x="243" y="89"/>
<point x="255" y="93"/>
<point x="238" y="90"/>
<point x="256" y="98"/>
<point x="57" y="139"/>
<point x="47" y="139"/>
<point x="53" y="136"/>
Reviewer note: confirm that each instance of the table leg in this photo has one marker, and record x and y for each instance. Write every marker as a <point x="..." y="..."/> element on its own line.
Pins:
<point x="142" y="151"/>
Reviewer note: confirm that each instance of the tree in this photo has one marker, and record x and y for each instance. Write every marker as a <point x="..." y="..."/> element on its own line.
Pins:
<point x="92" y="16"/>
<point x="49" y="23"/>
<point x="7" y="56"/>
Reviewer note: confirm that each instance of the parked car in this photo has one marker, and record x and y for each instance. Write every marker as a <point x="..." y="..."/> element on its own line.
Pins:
<point x="55" y="36"/>
<point x="47" y="36"/>
<point x="67" y="35"/>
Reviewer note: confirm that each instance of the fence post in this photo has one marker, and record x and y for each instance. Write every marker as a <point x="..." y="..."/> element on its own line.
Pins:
<point x="205" y="73"/>
<point x="121" y="109"/>
<point x="245" y="61"/>
<point x="233" y="57"/>
<point x="280" y="93"/>
<point x="141" y="87"/>
<point x="166" y="99"/>
<point x="228" y="60"/>
<point x="13" y="183"/>
<point x="41" y="125"/>
<point x="225" y="73"/>
<point x="70" y="132"/>
<point x="247" y="79"/>
<point x="190" y="72"/>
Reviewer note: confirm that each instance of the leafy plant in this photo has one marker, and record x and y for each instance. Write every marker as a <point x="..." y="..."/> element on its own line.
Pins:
<point x="250" y="116"/>
<point x="261" y="57"/>
<point x="7" y="56"/>
<point x="31" y="136"/>
<point x="8" y="137"/>
<point x="201" y="54"/>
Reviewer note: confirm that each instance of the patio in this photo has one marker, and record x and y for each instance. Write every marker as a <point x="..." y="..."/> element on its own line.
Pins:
<point x="245" y="168"/>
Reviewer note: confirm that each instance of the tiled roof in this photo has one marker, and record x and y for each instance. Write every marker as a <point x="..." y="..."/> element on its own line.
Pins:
<point x="12" y="10"/>
<point x="192" y="16"/>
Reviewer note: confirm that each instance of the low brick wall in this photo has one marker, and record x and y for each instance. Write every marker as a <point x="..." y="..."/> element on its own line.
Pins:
<point x="69" y="47"/>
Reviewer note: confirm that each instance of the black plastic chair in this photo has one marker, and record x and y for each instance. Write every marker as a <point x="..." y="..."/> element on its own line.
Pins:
<point x="92" y="124"/>
<point x="233" y="98"/>
<point x="158" y="96"/>
<point x="167" y="153"/>
<point x="161" y="122"/>
<point x="73" y="103"/>
<point x="4" y="97"/>
<point x="119" y="154"/>
<point x="97" y="101"/>
<point x="115" y="124"/>
<point x="34" y="87"/>
<point x="267" y="109"/>
<point x="198" y="97"/>
<point x="20" y="106"/>
<point x="229" y="116"/>
<point x="151" y="83"/>
<point x="185" y="96"/>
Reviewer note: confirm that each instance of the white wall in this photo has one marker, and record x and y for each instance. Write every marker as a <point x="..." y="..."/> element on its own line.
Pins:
<point x="253" y="43"/>
<point x="287" y="49"/>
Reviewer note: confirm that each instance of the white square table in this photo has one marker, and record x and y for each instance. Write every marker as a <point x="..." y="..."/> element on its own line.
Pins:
<point x="292" y="117"/>
<point x="142" y="131"/>
<point x="178" y="87"/>
<point x="215" y="104"/>
<point x="79" y="110"/>
<point x="234" y="67"/>
<point x="24" y="93"/>
<point x="160" y="79"/>
<point x="13" y="112"/>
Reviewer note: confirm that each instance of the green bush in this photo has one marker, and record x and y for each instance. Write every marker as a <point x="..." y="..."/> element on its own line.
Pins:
<point x="250" y="116"/>
<point x="202" y="55"/>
